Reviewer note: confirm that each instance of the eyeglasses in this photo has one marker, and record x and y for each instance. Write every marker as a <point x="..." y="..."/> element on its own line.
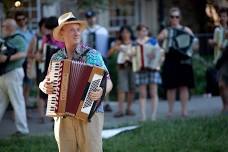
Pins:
<point x="173" y="16"/>
<point x="20" y="19"/>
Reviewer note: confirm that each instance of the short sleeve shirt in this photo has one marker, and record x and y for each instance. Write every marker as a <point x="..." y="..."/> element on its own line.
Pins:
<point x="19" y="43"/>
<point x="92" y="57"/>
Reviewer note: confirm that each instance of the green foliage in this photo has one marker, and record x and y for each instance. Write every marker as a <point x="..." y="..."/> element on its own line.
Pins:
<point x="7" y="5"/>
<point x="112" y="67"/>
<point x="91" y="4"/>
<point x="200" y="65"/>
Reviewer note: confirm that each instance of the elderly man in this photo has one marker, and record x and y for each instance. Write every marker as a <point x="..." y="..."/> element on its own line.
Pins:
<point x="71" y="133"/>
<point x="12" y="74"/>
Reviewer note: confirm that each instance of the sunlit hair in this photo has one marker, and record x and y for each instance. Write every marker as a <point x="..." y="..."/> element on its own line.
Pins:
<point x="141" y="26"/>
<point x="174" y="9"/>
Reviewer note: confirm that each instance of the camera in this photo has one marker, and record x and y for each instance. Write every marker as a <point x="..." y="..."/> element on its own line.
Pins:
<point x="2" y="46"/>
<point x="7" y="48"/>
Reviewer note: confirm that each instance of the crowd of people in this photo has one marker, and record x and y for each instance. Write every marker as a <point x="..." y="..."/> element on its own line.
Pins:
<point x="143" y="63"/>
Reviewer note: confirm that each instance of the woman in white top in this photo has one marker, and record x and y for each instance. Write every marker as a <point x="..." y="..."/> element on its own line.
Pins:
<point x="147" y="76"/>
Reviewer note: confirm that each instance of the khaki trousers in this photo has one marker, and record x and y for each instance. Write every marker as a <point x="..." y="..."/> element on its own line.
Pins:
<point x="11" y="90"/>
<point x="73" y="135"/>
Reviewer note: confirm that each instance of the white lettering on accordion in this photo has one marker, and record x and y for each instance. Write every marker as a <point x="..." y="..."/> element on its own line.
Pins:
<point x="87" y="105"/>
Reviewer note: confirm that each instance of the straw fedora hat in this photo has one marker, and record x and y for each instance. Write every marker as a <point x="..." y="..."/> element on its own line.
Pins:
<point x="67" y="18"/>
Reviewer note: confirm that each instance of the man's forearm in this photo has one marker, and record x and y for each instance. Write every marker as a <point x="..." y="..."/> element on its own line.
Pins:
<point x="109" y="86"/>
<point x="17" y="56"/>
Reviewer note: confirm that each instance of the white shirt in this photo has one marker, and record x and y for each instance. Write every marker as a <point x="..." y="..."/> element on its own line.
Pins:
<point x="101" y="38"/>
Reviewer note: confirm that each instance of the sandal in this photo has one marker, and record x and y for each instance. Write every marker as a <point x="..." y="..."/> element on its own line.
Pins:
<point x="130" y="113"/>
<point x="118" y="114"/>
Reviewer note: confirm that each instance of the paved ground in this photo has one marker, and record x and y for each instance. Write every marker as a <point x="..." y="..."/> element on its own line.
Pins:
<point x="198" y="106"/>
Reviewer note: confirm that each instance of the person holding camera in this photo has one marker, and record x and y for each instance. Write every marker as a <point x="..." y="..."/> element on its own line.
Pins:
<point x="12" y="57"/>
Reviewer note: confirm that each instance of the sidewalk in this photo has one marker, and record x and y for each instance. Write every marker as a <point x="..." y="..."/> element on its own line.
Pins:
<point x="198" y="106"/>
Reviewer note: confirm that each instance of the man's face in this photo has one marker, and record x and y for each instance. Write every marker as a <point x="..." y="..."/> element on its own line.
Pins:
<point x="223" y="18"/>
<point x="6" y="29"/>
<point x="91" y="20"/>
<point x="71" y="33"/>
<point x="21" y="20"/>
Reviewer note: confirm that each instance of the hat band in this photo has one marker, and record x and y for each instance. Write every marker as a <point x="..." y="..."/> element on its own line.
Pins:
<point x="72" y="19"/>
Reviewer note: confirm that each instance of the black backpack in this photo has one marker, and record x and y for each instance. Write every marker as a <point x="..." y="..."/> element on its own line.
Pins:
<point x="7" y="49"/>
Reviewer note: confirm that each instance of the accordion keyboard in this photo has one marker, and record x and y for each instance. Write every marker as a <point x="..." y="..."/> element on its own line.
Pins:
<point x="55" y="78"/>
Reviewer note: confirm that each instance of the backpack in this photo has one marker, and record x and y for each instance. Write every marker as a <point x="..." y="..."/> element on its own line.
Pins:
<point x="8" y="49"/>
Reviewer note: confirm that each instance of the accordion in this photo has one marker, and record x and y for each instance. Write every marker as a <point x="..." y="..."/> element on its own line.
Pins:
<point x="179" y="40"/>
<point x="147" y="56"/>
<point x="124" y="53"/>
<point x="72" y="83"/>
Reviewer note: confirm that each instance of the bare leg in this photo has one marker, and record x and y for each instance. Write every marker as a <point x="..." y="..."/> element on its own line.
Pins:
<point x="142" y="100"/>
<point x="130" y="98"/>
<point x="171" y="97"/>
<point x="184" y="96"/>
<point x="154" y="100"/>
<point x="41" y="109"/>
<point x="107" y="107"/>
<point x="121" y="98"/>
<point x="223" y="88"/>
<point x="26" y="91"/>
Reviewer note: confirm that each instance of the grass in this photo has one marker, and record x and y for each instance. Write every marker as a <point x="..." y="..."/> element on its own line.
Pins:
<point x="193" y="135"/>
<point x="29" y="144"/>
<point x="190" y="135"/>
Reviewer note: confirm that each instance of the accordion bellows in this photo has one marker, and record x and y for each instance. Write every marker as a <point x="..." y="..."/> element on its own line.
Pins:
<point x="72" y="83"/>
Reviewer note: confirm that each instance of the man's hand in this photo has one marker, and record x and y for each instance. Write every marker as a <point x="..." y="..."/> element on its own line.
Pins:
<point x="46" y="87"/>
<point x="38" y="56"/>
<point x="96" y="95"/>
<point x="3" y="58"/>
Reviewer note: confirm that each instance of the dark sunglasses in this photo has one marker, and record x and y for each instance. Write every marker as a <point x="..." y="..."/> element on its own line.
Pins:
<point x="172" y="16"/>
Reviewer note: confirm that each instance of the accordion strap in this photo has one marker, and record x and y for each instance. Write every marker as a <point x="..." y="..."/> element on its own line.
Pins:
<point x="96" y="104"/>
<point x="84" y="53"/>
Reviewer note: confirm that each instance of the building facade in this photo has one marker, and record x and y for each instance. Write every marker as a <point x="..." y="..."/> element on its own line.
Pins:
<point x="153" y="13"/>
